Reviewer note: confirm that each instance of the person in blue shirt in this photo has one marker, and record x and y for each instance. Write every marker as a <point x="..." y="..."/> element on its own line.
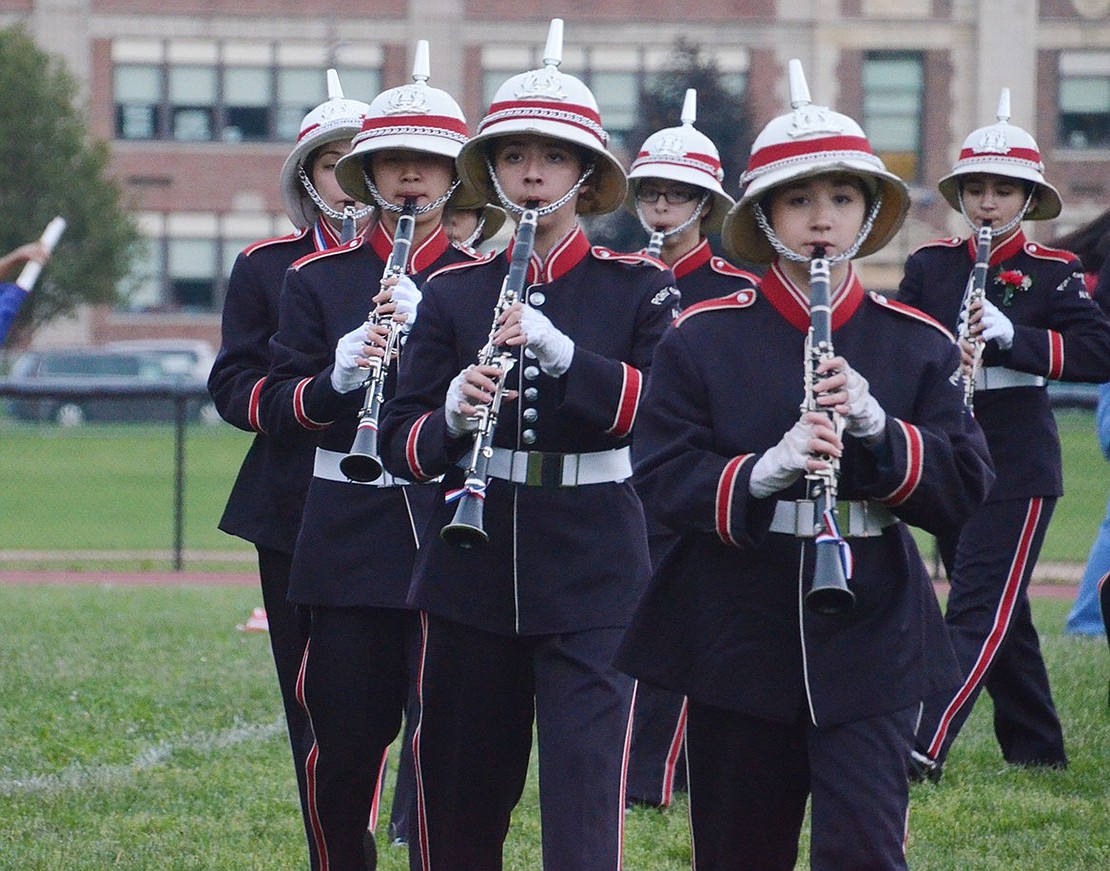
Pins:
<point x="12" y="295"/>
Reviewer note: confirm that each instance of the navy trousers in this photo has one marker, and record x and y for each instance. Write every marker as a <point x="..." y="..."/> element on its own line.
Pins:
<point x="996" y="643"/>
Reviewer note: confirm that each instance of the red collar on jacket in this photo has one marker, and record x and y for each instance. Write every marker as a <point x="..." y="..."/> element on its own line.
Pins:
<point x="793" y="304"/>
<point x="421" y="256"/>
<point x="562" y="258"/>
<point x="1003" y="252"/>
<point x="693" y="259"/>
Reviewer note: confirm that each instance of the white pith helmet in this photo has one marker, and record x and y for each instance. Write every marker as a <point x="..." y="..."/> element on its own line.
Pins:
<point x="685" y="155"/>
<point x="415" y="117"/>
<point x="1003" y="149"/>
<point x="337" y="118"/>
<point x="547" y="102"/>
<point x="810" y="140"/>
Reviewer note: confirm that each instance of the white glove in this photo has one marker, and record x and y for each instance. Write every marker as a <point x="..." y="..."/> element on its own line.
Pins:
<point x="346" y="374"/>
<point x="996" y="326"/>
<point x="553" y="349"/>
<point x="782" y="465"/>
<point x="865" y="417"/>
<point x="407" y="296"/>
<point x="458" y="423"/>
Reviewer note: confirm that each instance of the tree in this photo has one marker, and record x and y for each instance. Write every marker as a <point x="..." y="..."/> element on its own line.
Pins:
<point x="50" y="165"/>
<point x="722" y="116"/>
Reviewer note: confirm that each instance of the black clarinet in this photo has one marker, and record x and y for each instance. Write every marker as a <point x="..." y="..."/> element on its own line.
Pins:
<point x="976" y="291"/>
<point x="655" y="244"/>
<point x="466" y="530"/>
<point x="362" y="463"/>
<point x="829" y="593"/>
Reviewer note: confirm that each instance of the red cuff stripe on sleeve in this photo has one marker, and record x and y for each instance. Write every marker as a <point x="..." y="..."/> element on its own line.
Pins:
<point x="252" y="406"/>
<point x="298" y="407"/>
<point x="418" y="473"/>
<point x="915" y="463"/>
<point x="726" y="488"/>
<point x="1055" y="355"/>
<point x="629" y="402"/>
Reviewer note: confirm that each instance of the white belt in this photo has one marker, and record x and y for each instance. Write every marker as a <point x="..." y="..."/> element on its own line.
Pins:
<point x="998" y="377"/>
<point x="854" y="519"/>
<point x="327" y="466"/>
<point x="538" y="469"/>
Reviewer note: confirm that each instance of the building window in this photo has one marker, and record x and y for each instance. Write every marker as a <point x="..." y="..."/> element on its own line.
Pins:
<point x="192" y="103"/>
<point x="1084" y="100"/>
<point x="893" y="102"/>
<point x="192" y="269"/>
<point x="139" y="101"/>
<point x="220" y="101"/>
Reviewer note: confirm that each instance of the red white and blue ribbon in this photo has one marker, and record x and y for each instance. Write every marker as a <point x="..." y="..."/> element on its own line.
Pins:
<point x="477" y="490"/>
<point x="831" y="533"/>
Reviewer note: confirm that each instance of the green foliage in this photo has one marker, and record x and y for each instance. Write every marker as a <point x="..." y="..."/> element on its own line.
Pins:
<point x="142" y="730"/>
<point x="50" y="165"/>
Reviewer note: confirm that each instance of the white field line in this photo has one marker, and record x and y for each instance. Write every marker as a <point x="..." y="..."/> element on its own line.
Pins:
<point x="80" y="776"/>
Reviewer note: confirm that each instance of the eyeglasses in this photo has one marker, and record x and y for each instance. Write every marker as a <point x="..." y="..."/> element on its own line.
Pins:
<point x="673" y="196"/>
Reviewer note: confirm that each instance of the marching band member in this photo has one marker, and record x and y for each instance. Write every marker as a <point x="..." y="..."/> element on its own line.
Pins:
<point x="353" y="557"/>
<point x="675" y="190"/>
<point x="524" y="629"/>
<point x="268" y="496"/>
<point x="788" y="703"/>
<point x="472" y="227"/>
<point x="1038" y="323"/>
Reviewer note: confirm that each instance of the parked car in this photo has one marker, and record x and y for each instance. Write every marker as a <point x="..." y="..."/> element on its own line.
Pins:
<point x="96" y="377"/>
<point x="186" y="358"/>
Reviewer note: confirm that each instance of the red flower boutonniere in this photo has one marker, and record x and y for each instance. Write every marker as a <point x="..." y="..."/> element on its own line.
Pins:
<point x="1012" y="280"/>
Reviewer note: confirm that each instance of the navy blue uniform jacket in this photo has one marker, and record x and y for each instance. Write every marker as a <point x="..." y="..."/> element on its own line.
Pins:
<point x="722" y="621"/>
<point x="559" y="559"/>
<point x="356" y="542"/>
<point x="266" y="501"/>
<point x="701" y="275"/>
<point x="1059" y="333"/>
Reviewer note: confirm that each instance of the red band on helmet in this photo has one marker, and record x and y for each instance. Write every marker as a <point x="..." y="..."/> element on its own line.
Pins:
<point x="545" y="110"/>
<point x="306" y="131"/>
<point x="774" y="153"/>
<point x="712" y="163"/>
<point x="1029" y="154"/>
<point x="431" y="122"/>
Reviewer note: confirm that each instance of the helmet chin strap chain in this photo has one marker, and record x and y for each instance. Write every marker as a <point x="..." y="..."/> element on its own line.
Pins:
<point x="387" y="206"/>
<point x="694" y="216"/>
<point x="476" y="236"/>
<point x="1001" y="232"/>
<point x="847" y="254"/>
<point x="514" y="209"/>
<point x="324" y="207"/>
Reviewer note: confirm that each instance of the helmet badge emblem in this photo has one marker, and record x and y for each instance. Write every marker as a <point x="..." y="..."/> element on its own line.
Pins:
<point x="809" y="120"/>
<point x="546" y="84"/>
<point x="992" y="142"/>
<point x="408" y="100"/>
<point x="668" y="146"/>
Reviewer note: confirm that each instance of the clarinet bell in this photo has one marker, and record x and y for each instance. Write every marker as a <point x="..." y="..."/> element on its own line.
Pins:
<point x="465" y="529"/>
<point x="362" y="463"/>
<point x="830" y="593"/>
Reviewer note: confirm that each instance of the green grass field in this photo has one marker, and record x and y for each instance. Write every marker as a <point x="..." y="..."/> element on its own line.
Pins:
<point x="141" y="730"/>
<point x="111" y="488"/>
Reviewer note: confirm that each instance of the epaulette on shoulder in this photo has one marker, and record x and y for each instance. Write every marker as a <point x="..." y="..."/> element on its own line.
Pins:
<point x="464" y="264"/>
<point x="313" y="256"/>
<point x="633" y="258"/>
<point x="277" y="240"/>
<point x="723" y="267"/>
<point x="468" y="250"/>
<point x="740" y="299"/>
<point x="910" y="312"/>
<point x="1043" y="252"/>
<point x="950" y="242"/>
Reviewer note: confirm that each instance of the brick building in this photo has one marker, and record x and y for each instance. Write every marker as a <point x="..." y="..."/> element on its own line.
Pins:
<point x="201" y="99"/>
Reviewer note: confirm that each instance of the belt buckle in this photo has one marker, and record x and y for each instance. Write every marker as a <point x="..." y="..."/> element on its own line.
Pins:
<point x="543" y="470"/>
<point x="805" y="516"/>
